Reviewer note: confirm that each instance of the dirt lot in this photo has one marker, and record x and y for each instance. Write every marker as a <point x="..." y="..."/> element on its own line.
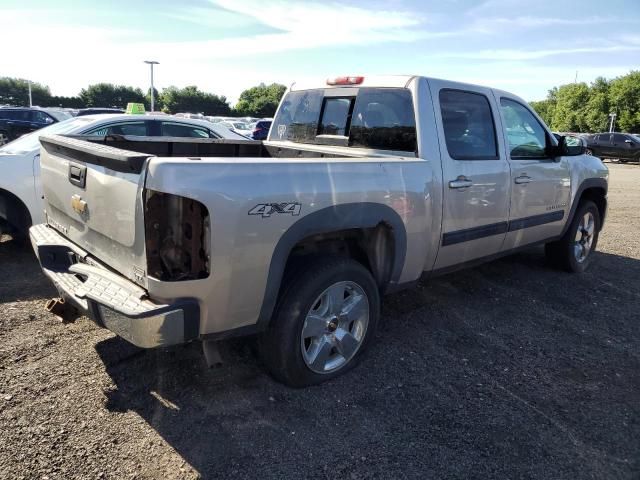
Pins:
<point x="509" y="370"/>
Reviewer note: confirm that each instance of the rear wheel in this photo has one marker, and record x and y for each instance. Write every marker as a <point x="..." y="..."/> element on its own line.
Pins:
<point x="574" y="250"/>
<point x="323" y="323"/>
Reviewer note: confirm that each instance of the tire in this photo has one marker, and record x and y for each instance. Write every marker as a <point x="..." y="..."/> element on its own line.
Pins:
<point x="312" y="338"/>
<point x="588" y="151"/>
<point x="571" y="253"/>
<point x="622" y="160"/>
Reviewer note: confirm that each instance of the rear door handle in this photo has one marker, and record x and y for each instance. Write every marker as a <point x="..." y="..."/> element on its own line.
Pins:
<point x="522" y="179"/>
<point x="460" y="182"/>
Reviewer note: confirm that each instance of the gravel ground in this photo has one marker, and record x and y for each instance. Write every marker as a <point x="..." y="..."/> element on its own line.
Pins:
<point x="509" y="370"/>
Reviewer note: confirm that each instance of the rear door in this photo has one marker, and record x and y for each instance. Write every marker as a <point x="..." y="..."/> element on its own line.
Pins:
<point x="475" y="171"/>
<point x="19" y="122"/>
<point x="604" y="145"/>
<point x="541" y="184"/>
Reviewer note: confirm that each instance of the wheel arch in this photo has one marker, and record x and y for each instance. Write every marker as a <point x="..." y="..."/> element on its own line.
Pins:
<point x="14" y="211"/>
<point x="377" y="231"/>
<point x="594" y="189"/>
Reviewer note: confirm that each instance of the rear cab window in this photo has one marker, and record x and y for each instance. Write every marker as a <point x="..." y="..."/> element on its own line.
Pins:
<point x="365" y="117"/>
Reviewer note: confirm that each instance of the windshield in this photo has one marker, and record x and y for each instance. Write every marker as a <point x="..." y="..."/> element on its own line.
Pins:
<point x="30" y="143"/>
<point x="241" y="126"/>
<point x="59" y="115"/>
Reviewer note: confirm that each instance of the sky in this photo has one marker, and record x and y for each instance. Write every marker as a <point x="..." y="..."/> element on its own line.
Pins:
<point x="226" y="46"/>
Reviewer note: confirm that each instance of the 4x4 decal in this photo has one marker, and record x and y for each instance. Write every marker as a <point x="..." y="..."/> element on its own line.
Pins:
<point x="267" y="209"/>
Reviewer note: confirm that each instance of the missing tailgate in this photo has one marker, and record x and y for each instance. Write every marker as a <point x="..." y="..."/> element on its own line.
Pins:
<point x="177" y="237"/>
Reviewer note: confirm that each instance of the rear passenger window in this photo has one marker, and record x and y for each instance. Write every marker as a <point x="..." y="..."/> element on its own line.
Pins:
<point x="469" y="130"/>
<point x="136" y="129"/>
<point x="383" y="118"/>
<point x="183" y="130"/>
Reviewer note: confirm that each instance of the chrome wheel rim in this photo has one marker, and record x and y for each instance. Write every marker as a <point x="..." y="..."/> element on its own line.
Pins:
<point x="335" y="327"/>
<point x="584" y="237"/>
<point x="588" y="152"/>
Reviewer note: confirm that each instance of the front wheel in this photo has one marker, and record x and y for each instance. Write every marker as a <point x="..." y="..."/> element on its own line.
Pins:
<point x="574" y="250"/>
<point x="323" y="323"/>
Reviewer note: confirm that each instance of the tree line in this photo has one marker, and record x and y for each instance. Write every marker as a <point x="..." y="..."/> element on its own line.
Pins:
<point x="258" y="101"/>
<point x="578" y="107"/>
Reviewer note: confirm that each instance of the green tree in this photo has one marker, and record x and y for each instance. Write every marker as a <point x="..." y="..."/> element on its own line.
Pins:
<point x="260" y="101"/>
<point x="190" y="99"/>
<point x="15" y="91"/>
<point x="598" y="106"/>
<point x="109" y="95"/>
<point x="64" y="102"/>
<point x="625" y="101"/>
<point x="545" y="109"/>
<point x="569" y="114"/>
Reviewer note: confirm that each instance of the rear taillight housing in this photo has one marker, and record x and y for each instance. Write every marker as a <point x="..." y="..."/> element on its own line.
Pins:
<point x="177" y="237"/>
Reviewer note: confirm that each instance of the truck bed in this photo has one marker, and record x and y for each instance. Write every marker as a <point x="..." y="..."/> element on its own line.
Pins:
<point x="184" y="147"/>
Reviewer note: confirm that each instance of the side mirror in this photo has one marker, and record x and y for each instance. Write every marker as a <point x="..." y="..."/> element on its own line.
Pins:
<point x="628" y="141"/>
<point x="571" y="146"/>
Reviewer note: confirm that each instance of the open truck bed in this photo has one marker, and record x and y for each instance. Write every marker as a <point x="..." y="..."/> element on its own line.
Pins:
<point x="156" y="237"/>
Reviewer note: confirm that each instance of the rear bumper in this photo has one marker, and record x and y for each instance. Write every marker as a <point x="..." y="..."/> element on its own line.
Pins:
<point x="109" y="299"/>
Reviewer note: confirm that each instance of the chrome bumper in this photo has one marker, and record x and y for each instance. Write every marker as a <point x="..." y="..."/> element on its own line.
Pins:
<point x="109" y="299"/>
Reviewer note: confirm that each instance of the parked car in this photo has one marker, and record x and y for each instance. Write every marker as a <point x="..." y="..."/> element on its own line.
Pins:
<point x="20" y="190"/>
<point x="241" y="128"/>
<point x="362" y="195"/>
<point x="95" y="111"/>
<point x="623" y="146"/>
<point x="260" y="129"/>
<point x="17" y="121"/>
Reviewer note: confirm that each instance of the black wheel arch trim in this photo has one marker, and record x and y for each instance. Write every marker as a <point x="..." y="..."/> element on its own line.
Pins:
<point x="585" y="185"/>
<point x="16" y="212"/>
<point x="327" y="220"/>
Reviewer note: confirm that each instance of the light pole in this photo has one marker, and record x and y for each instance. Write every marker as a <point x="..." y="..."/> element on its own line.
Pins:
<point x="613" y="121"/>
<point x="30" y="100"/>
<point x="151" y="63"/>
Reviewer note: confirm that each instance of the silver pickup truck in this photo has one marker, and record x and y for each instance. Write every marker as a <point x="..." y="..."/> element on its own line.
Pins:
<point x="365" y="185"/>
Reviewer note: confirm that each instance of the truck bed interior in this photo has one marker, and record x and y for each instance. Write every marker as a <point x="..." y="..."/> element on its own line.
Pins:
<point x="207" y="147"/>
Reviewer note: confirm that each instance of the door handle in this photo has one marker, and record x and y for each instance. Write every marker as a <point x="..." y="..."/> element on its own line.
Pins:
<point x="460" y="182"/>
<point x="522" y="179"/>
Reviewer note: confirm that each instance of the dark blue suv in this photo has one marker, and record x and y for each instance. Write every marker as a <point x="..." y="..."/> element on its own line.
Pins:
<point x="16" y="121"/>
<point x="261" y="129"/>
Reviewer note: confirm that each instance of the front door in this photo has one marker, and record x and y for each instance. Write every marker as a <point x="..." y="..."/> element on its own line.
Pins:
<point x="541" y="184"/>
<point x="475" y="174"/>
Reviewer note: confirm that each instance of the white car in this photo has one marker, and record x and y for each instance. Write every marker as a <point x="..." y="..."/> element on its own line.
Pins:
<point x="20" y="191"/>
<point x="241" y="128"/>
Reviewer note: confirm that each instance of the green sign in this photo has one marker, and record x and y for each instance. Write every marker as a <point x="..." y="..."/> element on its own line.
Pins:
<point x="135" y="108"/>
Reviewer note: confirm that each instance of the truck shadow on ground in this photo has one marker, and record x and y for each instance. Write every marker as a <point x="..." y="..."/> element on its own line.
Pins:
<point x="506" y="370"/>
<point x="21" y="278"/>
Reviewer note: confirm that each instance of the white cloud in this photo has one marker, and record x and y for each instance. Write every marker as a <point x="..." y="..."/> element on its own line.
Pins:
<point x="520" y="55"/>
<point x="68" y="57"/>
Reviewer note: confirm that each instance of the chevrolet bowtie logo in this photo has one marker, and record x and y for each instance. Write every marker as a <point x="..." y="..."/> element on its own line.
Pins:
<point x="78" y="204"/>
